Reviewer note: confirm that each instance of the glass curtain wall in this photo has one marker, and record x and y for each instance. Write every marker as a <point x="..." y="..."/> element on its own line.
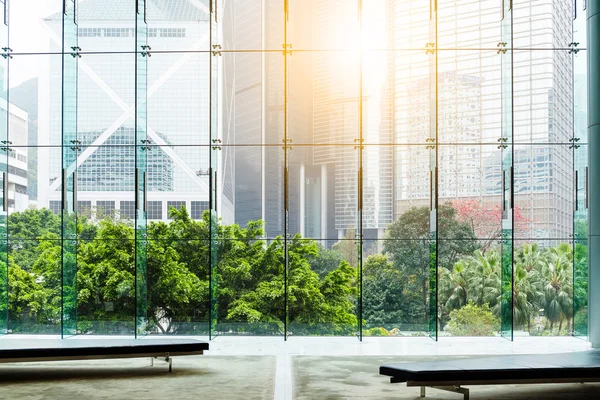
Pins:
<point x="294" y="168"/>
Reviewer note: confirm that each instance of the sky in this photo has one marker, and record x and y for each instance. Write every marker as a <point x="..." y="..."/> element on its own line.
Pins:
<point x="25" y="30"/>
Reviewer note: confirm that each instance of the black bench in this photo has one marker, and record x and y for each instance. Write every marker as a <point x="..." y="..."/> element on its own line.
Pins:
<point x="452" y="375"/>
<point x="30" y="350"/>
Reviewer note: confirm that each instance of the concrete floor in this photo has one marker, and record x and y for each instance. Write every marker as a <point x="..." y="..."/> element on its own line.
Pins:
<point x="372" y="346"/>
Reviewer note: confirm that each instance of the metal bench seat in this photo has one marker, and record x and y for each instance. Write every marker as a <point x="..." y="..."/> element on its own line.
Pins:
<point x="30" y="350"/>
<point x="452" y="375"/>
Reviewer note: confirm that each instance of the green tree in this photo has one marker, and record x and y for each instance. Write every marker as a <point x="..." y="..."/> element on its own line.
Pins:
<point x="326" y="261"/>
<point x="472" y="320"/>
<point x="26" y="229"/>
<point x="390" y="299"/>
<point x="407" y="242"/>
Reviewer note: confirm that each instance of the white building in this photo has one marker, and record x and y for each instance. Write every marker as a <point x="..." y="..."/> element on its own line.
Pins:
<point x="18" y="200"/>
<point x="178" y="95"/>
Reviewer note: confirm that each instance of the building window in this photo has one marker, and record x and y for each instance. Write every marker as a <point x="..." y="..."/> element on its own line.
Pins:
<point x="175" y="204"/>
<point x="128" y="209"/>
<point x="105" y="208"/>
<point x="56" y="206"/>
<point x="85" y="208"/>
<point x="198" y="208"/>
<point x="154" y="210"/>
<point x="90" y="32"/>
<point x="20" y="189"/>
<point x="172" y="32"/>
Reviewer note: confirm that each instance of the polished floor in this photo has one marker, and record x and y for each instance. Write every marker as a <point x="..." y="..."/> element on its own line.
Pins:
<point x="284" y="351"/>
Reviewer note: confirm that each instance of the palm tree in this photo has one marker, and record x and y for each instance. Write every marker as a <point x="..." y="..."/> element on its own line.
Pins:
<point x="455" y="285"/>
<point x="529" y="256"/>
<point x="484" y="277"/>
<point x="558" y="290"/>
<point x="527" y="292"/>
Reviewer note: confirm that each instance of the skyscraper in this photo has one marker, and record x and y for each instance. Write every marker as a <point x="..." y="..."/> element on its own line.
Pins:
<point x="178" y="95"/>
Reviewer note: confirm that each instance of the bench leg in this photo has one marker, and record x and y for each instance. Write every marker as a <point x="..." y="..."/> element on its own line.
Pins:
<point x="455" y="389"/>
<point x="166" y="359"/>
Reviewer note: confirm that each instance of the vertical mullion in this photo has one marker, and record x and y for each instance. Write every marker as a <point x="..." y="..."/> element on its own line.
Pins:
<point x="285" y="169"/>
<point x="141" y="185"/>
<point x="4" y="137"/>
<point x="432" y="242"/>
<point x="507" y="152"/>
<point x="360" y="178"/>
<point x="69" y="148"/>
<point x="213" y="168"/>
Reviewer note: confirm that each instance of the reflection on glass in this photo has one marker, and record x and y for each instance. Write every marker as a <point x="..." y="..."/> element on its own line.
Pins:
<point x="322" y="287"/>
<point x="144" y="151"/>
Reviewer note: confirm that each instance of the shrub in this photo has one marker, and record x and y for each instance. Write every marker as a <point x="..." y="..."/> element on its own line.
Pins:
<point x="377" y="332"/>
<point x="472" y="320"/>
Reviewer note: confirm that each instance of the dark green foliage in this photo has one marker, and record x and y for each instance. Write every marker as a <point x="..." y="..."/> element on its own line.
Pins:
<point x="248" y="279"/>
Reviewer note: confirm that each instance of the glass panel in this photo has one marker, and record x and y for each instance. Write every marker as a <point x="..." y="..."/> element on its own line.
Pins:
<point x="178" y="178"/>
<point x="105" y="280"/>
<point x="506" y="146"/>
<point x="178" y="278"/>
<point x="542" y="96"/>
<point x="70" y="151"/>
<point x="322" y="287"/>
<point x="396" y="278"/>
<point x="539" y="25"/>
<point x="35" y="288"/>
<point x="252" y="26"/>
<point x="38" y="92"/>
<point x="36" y="26"/>
<point x="543" y="183"/>
<point x="580" y="249"/>
<point x="174" y="26"/>
<point x="330" y="82"/>
<point x="580" y="228"/>
<point x="328" y="25"/>
<point x="469" y="24"/>
<point x="470" y="192"/>
<point x="323" y="198"/>
<point x="469" y="285"/>
<point x="107" y="25"/>
<point x="178" y="95"/>
<point x="543" y="287"/>
<point x="580" y="105"/>
<point x="469" y="90"/>
<point x="141" y="177"/>
<point x="249" y="282"/>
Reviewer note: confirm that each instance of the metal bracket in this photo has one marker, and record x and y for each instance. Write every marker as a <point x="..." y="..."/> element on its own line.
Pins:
<point x="216" y="50"/>
<point x="6" y="53"/>
<point x="6" y="143"/>
<point x="285" y="142"/>
<point x="361" y="147"/>
<point x="75" y="53"/>
<point x="432" y="145"/>
<point x="502" y="47"/>
<point x="166" y="359"/>
<point x="146" y="51"/>
<point x="574" y="49"/>
<point x="574" y="141"/>
<point x="430" y="48"/>
<point x="453" y="389"/>
<point x="502" y="142"/>
<point x="285" y="49"/>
